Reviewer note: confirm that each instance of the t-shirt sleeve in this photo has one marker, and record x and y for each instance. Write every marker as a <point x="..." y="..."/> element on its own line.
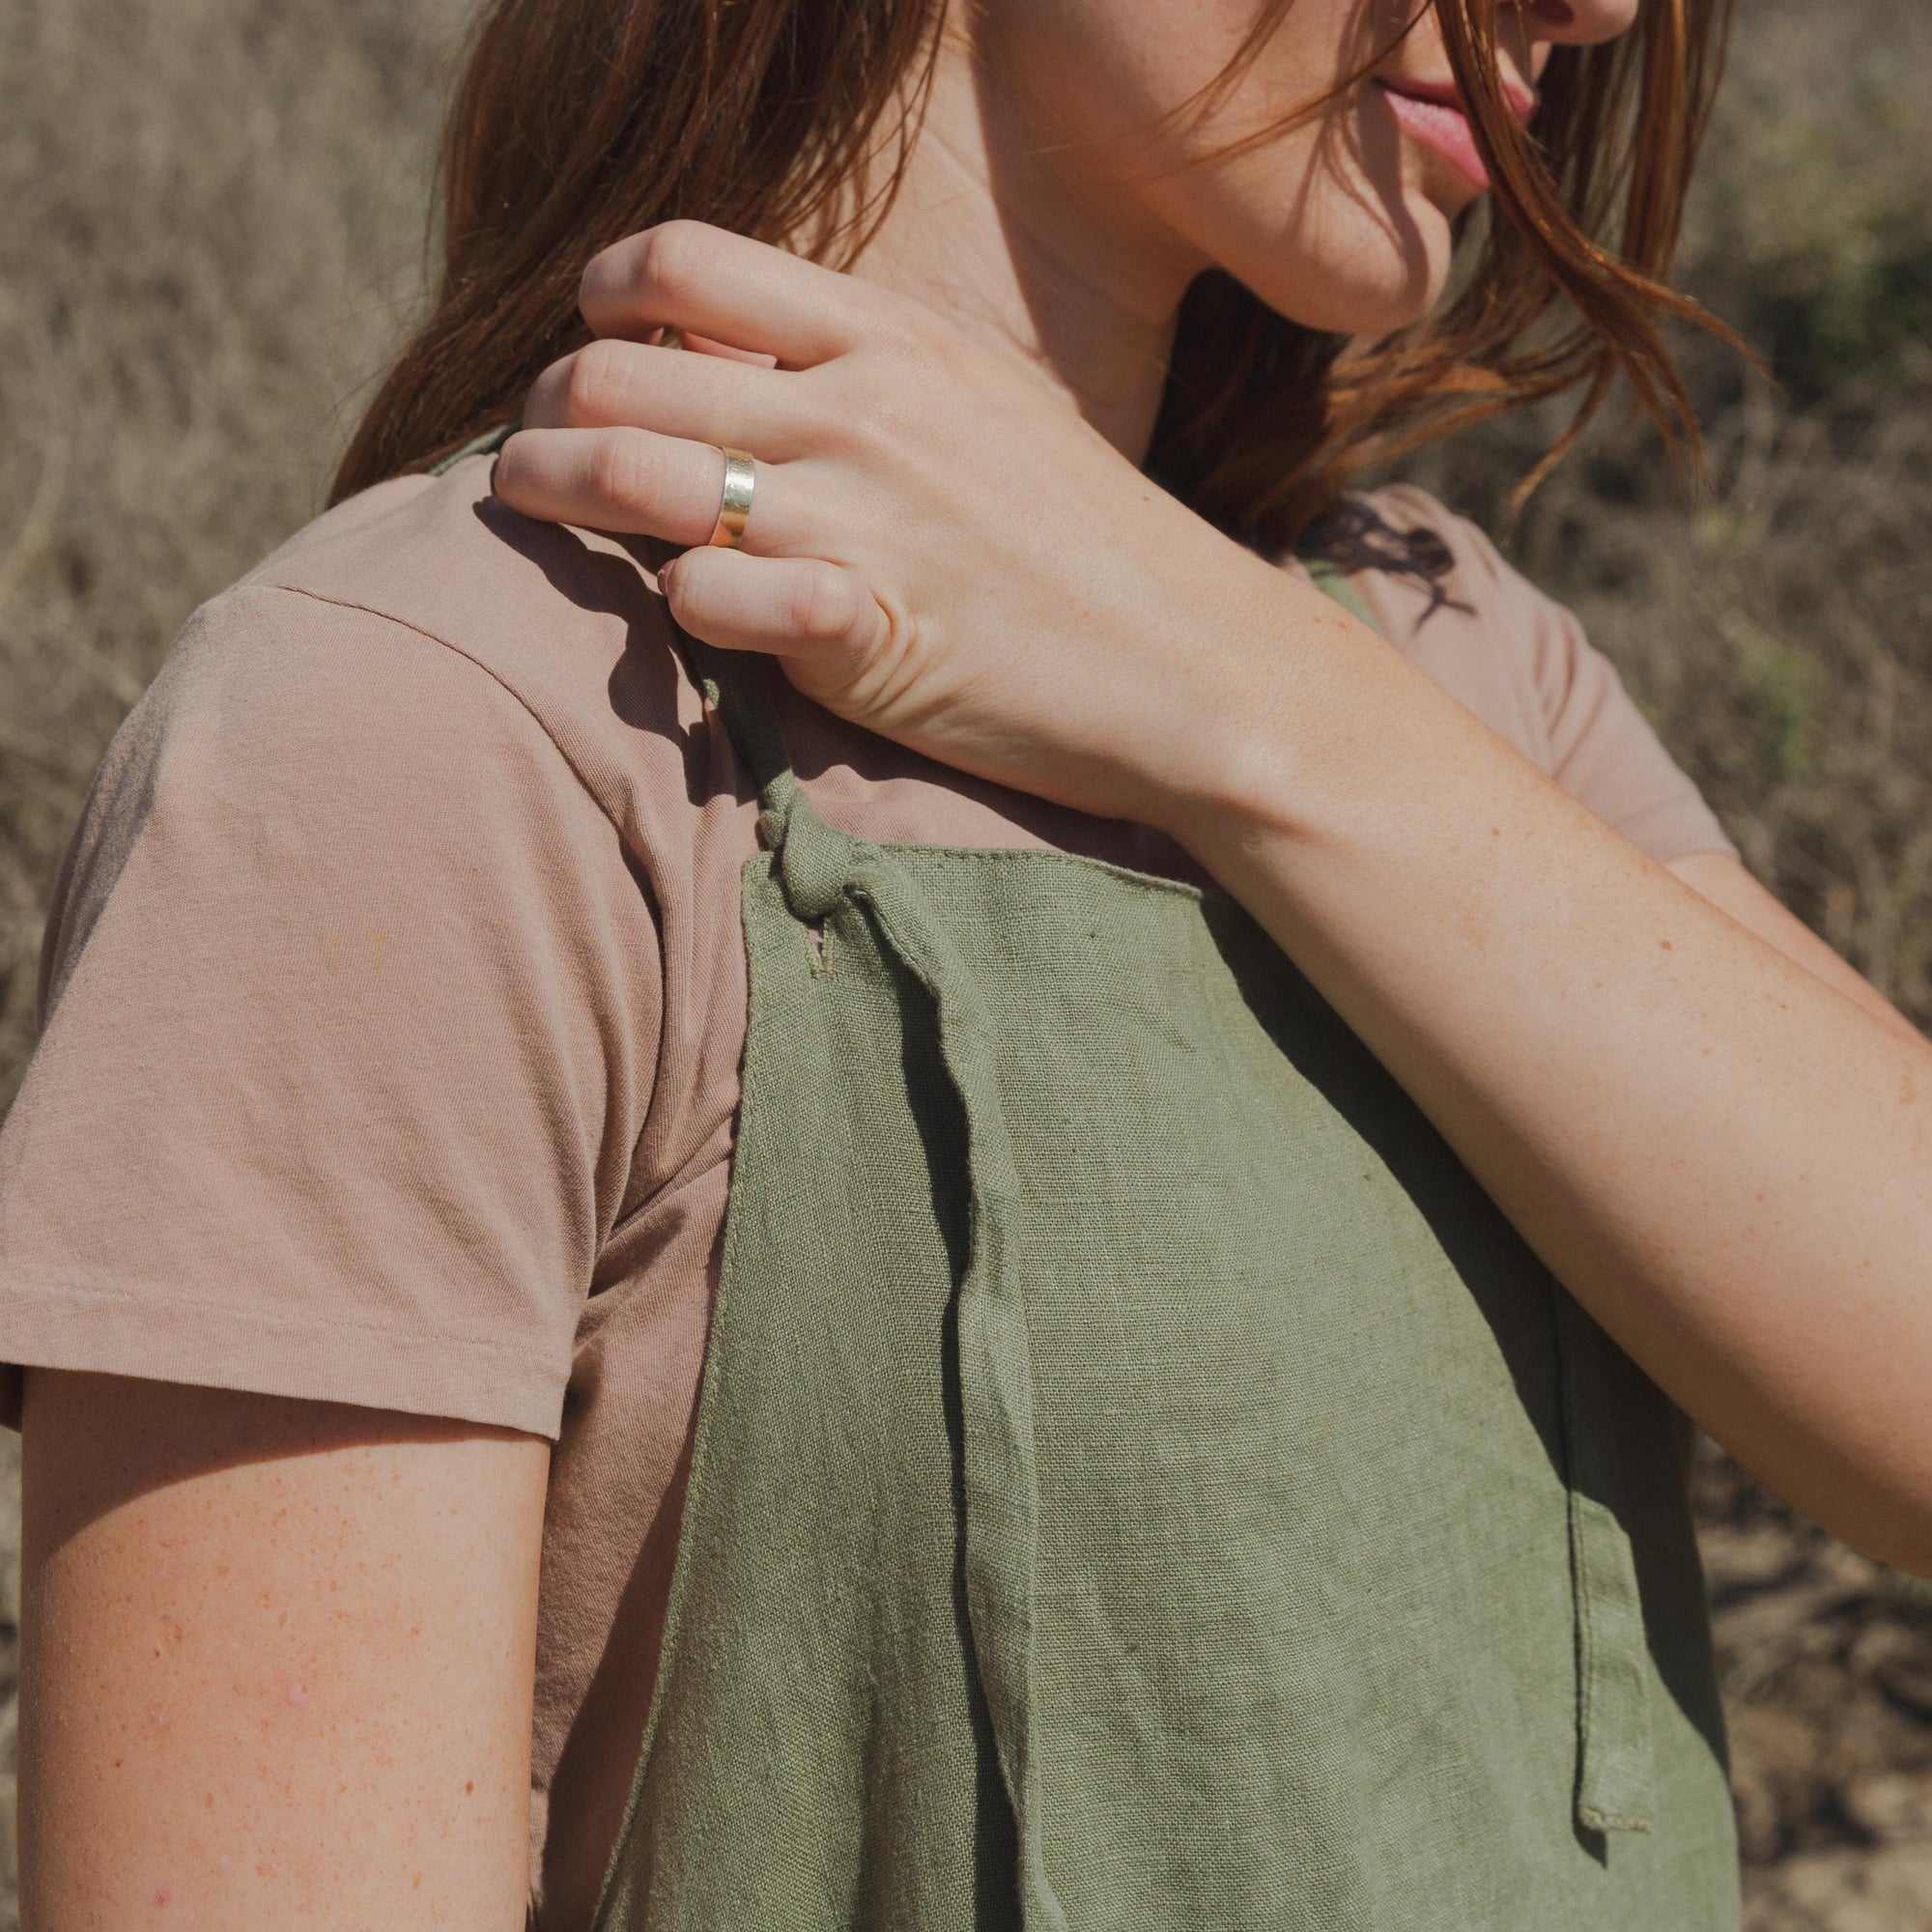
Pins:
<point x="1526" y="664"/>
<point x="349" y="1001"/>
<point x="1604" y="750"/>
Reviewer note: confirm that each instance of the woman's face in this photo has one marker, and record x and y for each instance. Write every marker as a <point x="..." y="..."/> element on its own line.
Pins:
<point x="1340" y="222"/>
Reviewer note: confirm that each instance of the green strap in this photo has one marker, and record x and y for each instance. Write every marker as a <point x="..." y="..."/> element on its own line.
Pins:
<point x="1333" y="584"/>
<point x="818" y="867"/>
<point x="1615" y="1759"/>
<point x="1616" y="1777"/>
<point x="995" y="1364"/>
<point x="490" y="441"/>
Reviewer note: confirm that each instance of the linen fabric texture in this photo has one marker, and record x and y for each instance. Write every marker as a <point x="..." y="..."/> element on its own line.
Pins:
<point x="1141" y="1479"/>
<point x="395" y="997"/>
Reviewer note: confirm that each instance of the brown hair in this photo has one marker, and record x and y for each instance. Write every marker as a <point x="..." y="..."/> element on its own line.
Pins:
<point x="578" y="121"/>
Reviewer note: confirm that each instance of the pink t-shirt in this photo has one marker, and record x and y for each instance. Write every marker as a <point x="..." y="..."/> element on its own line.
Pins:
<point x="394" y="997"/>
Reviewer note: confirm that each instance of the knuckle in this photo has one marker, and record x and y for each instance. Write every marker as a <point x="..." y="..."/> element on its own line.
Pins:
<point x="835" y="409"/>
<point x="681" y="255"/>
<point x="594" y="385"/>
<point x="820" y="605"/>
<point x="624" y="472"/>
<point x="916" y="336"/>
<point x="884" y="423"/>
<point x="611" y="274"/>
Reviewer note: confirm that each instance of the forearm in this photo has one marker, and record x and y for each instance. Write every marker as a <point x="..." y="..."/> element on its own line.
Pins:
<point x="1729" y="1162"/>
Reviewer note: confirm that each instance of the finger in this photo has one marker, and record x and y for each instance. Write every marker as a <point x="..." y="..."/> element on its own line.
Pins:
<point x="632" y="481"/>
<point x="703" y="345"/>
<point x="797" y="608"/>
<point x="625" y="385"/>
<point x="691" y="275"/>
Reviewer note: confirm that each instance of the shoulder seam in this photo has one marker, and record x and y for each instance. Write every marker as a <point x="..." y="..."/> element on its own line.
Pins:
<point x="456" y="650"/>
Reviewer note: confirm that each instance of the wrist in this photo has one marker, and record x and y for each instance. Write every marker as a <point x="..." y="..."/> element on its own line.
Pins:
<point x="1278" y="671"/>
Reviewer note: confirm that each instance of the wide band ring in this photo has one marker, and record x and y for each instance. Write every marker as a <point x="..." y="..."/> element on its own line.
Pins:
<point x="734" y="505"/>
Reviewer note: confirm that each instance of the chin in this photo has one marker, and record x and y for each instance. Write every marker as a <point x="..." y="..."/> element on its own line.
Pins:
<point x="1375" y="269"/>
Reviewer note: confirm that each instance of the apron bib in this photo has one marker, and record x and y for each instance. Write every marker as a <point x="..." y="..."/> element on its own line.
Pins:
<point x="1141" y="1480"/>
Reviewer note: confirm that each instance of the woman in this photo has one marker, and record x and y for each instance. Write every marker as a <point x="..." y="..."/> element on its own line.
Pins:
<point x="1148" y="1470"/>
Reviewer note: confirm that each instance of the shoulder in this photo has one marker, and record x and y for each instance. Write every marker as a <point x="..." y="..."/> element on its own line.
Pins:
<point x="417" y="681"/>
<point x="422" y="645"/>
<point x="563" y="621"/>
<point x="1435" y="580"/>
<point x="1413" y="540"/>
<point x="539" y="606"/>
<point x="1440" y="590"/>
<point x="349" y="884"/>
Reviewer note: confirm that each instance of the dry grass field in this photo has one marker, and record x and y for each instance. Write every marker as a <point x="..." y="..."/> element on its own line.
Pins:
<point x="212" y="228"/>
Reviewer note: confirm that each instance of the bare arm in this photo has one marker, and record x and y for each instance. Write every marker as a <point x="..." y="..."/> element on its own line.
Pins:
<point x="1722" y="880"/>
<point x="278" y="1663"/>
<point x="1717" y="1136"/>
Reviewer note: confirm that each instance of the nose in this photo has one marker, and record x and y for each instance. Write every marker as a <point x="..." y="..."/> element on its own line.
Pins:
<point x="1576" y="23"/>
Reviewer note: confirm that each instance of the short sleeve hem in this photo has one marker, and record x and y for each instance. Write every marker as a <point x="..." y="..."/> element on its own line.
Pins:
<point x="149" y="1333"/>
<point x="1673" y="830"/>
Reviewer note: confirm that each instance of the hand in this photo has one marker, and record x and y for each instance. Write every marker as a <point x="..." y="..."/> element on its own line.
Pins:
<point x="940" y="547"/>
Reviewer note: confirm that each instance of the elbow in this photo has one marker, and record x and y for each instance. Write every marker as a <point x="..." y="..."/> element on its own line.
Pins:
<point x="1876" y="1502"/>
<point x="1892" y="1526"/>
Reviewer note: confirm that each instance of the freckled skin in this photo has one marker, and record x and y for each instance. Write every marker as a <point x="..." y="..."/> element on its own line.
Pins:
<point x="268" y="1725"/>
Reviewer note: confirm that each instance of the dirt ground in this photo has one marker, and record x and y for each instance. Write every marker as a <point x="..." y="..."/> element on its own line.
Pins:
<point x="213" y="232"/>
<point x="1826" y="1665"/>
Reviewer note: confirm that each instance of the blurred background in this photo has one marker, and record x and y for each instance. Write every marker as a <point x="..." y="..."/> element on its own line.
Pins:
<point x="211" y="230"/>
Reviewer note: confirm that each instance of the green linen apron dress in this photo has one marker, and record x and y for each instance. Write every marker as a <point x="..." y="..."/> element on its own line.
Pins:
<point x="1141" y="1480"/>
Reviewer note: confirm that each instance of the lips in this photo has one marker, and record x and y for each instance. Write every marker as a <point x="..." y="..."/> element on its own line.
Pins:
<point x="1430" y="113"/>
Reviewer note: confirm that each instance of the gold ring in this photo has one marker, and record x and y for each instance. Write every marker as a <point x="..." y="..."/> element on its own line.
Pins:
<point x="734" y="505"/>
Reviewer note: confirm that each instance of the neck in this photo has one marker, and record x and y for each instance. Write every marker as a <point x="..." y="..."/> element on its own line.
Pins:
<point x="1013" y="239"/>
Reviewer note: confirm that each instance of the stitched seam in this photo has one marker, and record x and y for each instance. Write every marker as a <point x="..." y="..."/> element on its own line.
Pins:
<point x="469" y="657"/>
<point x="1031" y="854"/>
<point x="237" y="1313"/>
